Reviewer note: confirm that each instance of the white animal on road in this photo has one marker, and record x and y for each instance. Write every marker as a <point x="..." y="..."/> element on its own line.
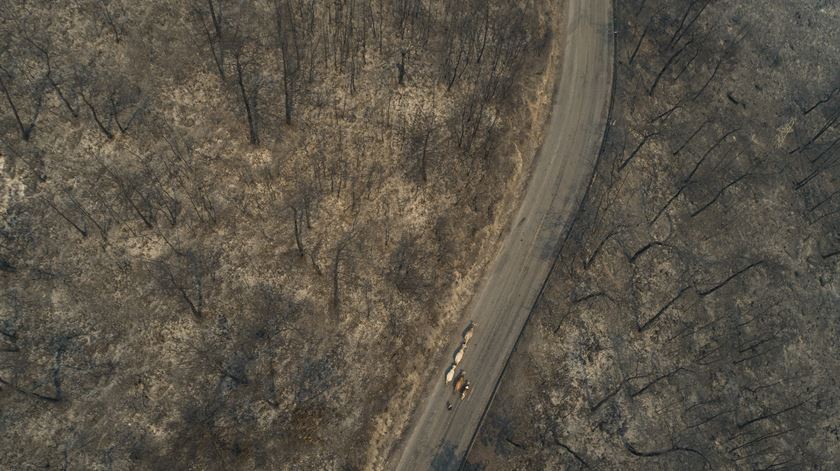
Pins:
<point x="459" y="354"/>
<point x="450" y="374"/>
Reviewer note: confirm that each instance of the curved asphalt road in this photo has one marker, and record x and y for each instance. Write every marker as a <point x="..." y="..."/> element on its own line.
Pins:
<point x="440" y="439"/>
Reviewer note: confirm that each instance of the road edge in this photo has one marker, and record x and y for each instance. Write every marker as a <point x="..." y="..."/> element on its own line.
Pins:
<point x="395" y="452"/>
<point x="567" y="230"/>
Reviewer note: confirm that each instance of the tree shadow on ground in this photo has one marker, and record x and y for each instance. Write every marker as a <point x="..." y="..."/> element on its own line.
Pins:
<point x="445" y="459"/>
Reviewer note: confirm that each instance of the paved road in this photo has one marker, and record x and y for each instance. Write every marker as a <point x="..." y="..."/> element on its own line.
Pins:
<point x="439" y="439"/>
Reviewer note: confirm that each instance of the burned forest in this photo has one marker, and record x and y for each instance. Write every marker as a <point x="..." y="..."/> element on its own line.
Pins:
<point x="691" y="318"/>
<point x="240" y="234"/>
<point x="233" y="232"/>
